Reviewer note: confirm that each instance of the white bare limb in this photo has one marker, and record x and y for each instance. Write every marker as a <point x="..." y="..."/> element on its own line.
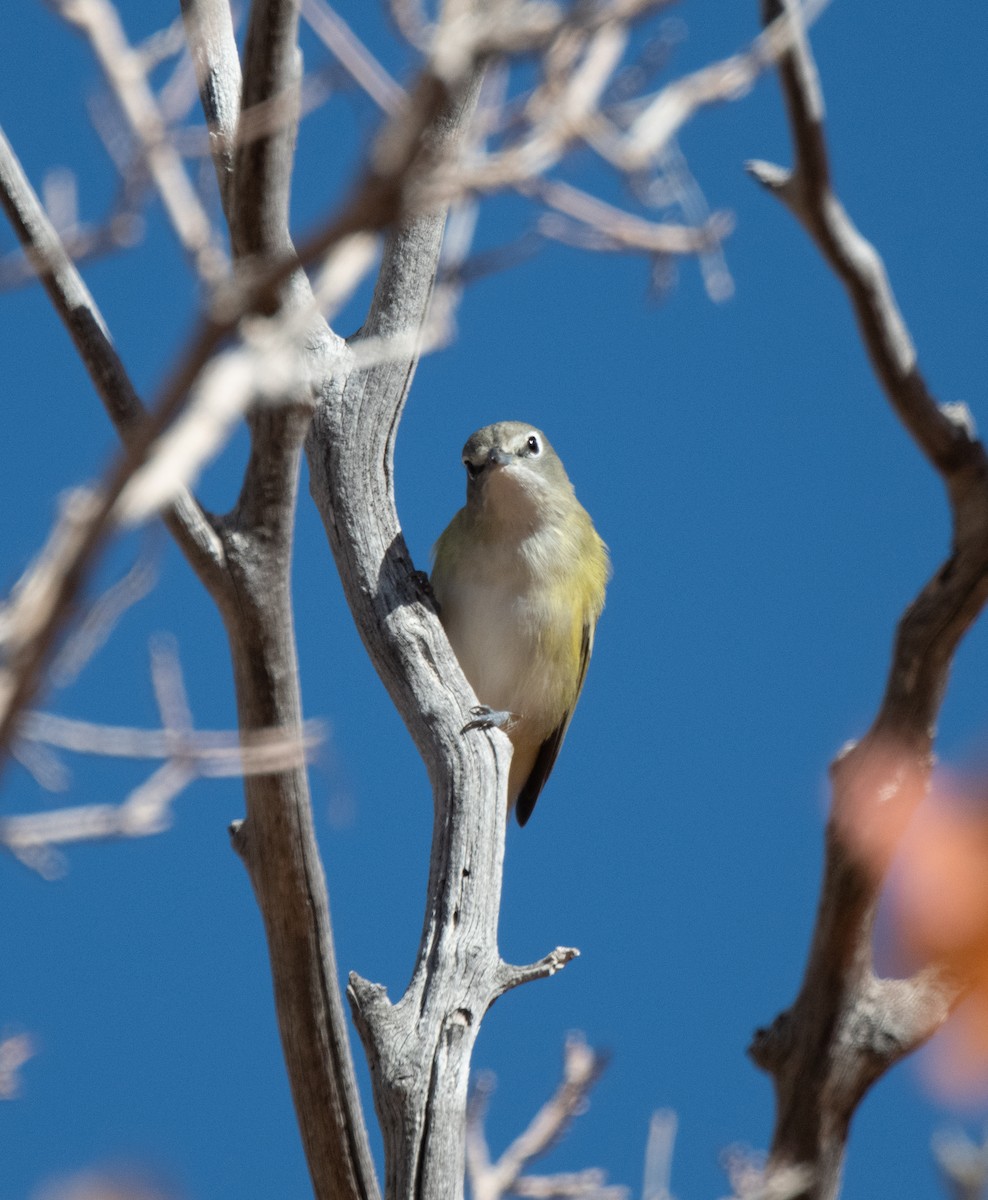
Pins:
<point x="100" y="619"/>
<point x="362" y="67"/>
<point x="82" y="318"/>
<point x="15" y="1051"/>
<point x="569" y="1185"/>
<point x="188" y="755"/>
<point x="963" y="1164"/>
<point x="657" y="1176"/>
<point x="729" y="79"/>
<point x="342" y="271"/>
<point x="38" y="596"/>
<point x="125" y="70"/>
<point x="616" y="229"/>
<point x="562" y="123"/>
<point x="582" y="1067"/>
<point x="750" y="1180"/>
<point x="267" y="366"/>
<point x="215" y="753"/>
<point x="569" y="105"/>
<point x="209" y="30"/>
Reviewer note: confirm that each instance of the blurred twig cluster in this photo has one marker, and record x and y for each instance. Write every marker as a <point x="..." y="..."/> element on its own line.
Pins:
<point x="592" y="82"/>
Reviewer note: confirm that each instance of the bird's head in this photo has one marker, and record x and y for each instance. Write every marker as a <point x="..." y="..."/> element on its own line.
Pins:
<point x="513" y="474"/>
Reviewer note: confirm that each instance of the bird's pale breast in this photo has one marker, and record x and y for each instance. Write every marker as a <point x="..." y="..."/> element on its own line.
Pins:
<point x="516" y="636"/>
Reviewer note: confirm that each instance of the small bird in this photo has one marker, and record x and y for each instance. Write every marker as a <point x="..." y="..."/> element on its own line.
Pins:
<point x="519" y="575"/>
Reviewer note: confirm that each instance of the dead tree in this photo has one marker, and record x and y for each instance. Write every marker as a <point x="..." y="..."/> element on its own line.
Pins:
<point x="264" y="350"/>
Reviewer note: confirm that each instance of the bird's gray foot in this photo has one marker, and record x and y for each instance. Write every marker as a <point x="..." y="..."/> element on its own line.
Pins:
<point x="488" y="718"/>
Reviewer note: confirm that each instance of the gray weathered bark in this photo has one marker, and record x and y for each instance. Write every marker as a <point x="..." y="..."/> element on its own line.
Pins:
<point x="277" y="840"/>
<point x="419" y="1048"/>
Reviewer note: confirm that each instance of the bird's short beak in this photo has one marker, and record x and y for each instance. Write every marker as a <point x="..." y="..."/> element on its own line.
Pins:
<point x="498" y="458"/>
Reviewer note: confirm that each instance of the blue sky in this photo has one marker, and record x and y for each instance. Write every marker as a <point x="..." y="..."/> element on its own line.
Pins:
<point x="768" y="520"/>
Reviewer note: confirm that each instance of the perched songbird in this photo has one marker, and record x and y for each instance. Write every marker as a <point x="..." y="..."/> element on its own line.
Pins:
<point x="519" y="575"/>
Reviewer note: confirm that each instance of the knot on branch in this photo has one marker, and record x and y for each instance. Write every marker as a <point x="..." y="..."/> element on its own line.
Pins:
<point x="238" y="838"/>
<point x="961" y="417"/>
<point x="872" y="1037"/>
<point x="771" y="1045"/>
<point x="907" y="1012"/>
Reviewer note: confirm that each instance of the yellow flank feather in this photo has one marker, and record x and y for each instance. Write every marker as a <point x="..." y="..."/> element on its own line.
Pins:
<point x="520" y="575"/>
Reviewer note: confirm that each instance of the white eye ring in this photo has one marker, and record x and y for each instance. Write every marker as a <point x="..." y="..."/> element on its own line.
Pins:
<point x="534" y="445"/>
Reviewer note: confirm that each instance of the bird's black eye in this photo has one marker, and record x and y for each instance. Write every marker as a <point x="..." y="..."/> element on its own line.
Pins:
<point x="473" y="469"/>
<point x="533" y="445"/>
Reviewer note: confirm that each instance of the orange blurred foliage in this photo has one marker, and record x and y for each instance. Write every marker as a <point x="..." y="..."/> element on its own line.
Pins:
<point x="937" y="894"/>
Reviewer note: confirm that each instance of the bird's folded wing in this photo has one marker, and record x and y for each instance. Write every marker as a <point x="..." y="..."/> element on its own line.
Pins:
<point x="546" y="758"/>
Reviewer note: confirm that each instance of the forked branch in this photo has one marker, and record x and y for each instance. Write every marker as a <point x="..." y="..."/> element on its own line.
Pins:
<point x="847" y="1026"/>
<point x="582" y="1067"/>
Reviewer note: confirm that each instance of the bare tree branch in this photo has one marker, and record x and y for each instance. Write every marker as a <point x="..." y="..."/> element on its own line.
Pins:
<point x="84" y="322"/>
<point x="409" y="16"/>
<point x="403" y="175"/>
<point x="419" y="1048"/>
<point x="277" y="839"/>
<point x="618" y="230"/>
<point x="569" y="105"/>
<point x="963" y="1165"/>
<point x="122" y="229"/>
<point x="750" y="1180"/>
<point x="98" y="623"/>
<point x="263" y="165"/>
<point x="569" y="1185"/>
<point x="847" y="1027"/>
<point x="126" y="73"/>
<point x="582" y="1067"/>
<point x="353" y="55"/>
<point x="316" y="1043"/>
<point x="216" y="754"/>
<point x="806" y="190"/>
<point x="209" y="29"/>
<point x="679" y="101"/>
<point x="15" y="1051"/>
<point x="44" y="597"/>
<point x="657" y="1175"/>
<point x="188" y="755"/>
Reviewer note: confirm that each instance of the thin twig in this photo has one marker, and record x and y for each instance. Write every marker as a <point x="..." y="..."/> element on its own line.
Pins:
<point x="728" y="79"/>
<point x="121" y="230"/>
<point x="362" y="67"/>
<point x="84" y="322"/>
<point x="126" y="74"/>
<point x="101" y="618"/>
<point x="582" y="1067"/>
<point x="188" y="754"/>
<point x="963" y="1165"/>
<point x="217" y="753"/>
<point x="657" y="1176"/>
<point x="15" y="1051"/>
<point x="620" y="230"/>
